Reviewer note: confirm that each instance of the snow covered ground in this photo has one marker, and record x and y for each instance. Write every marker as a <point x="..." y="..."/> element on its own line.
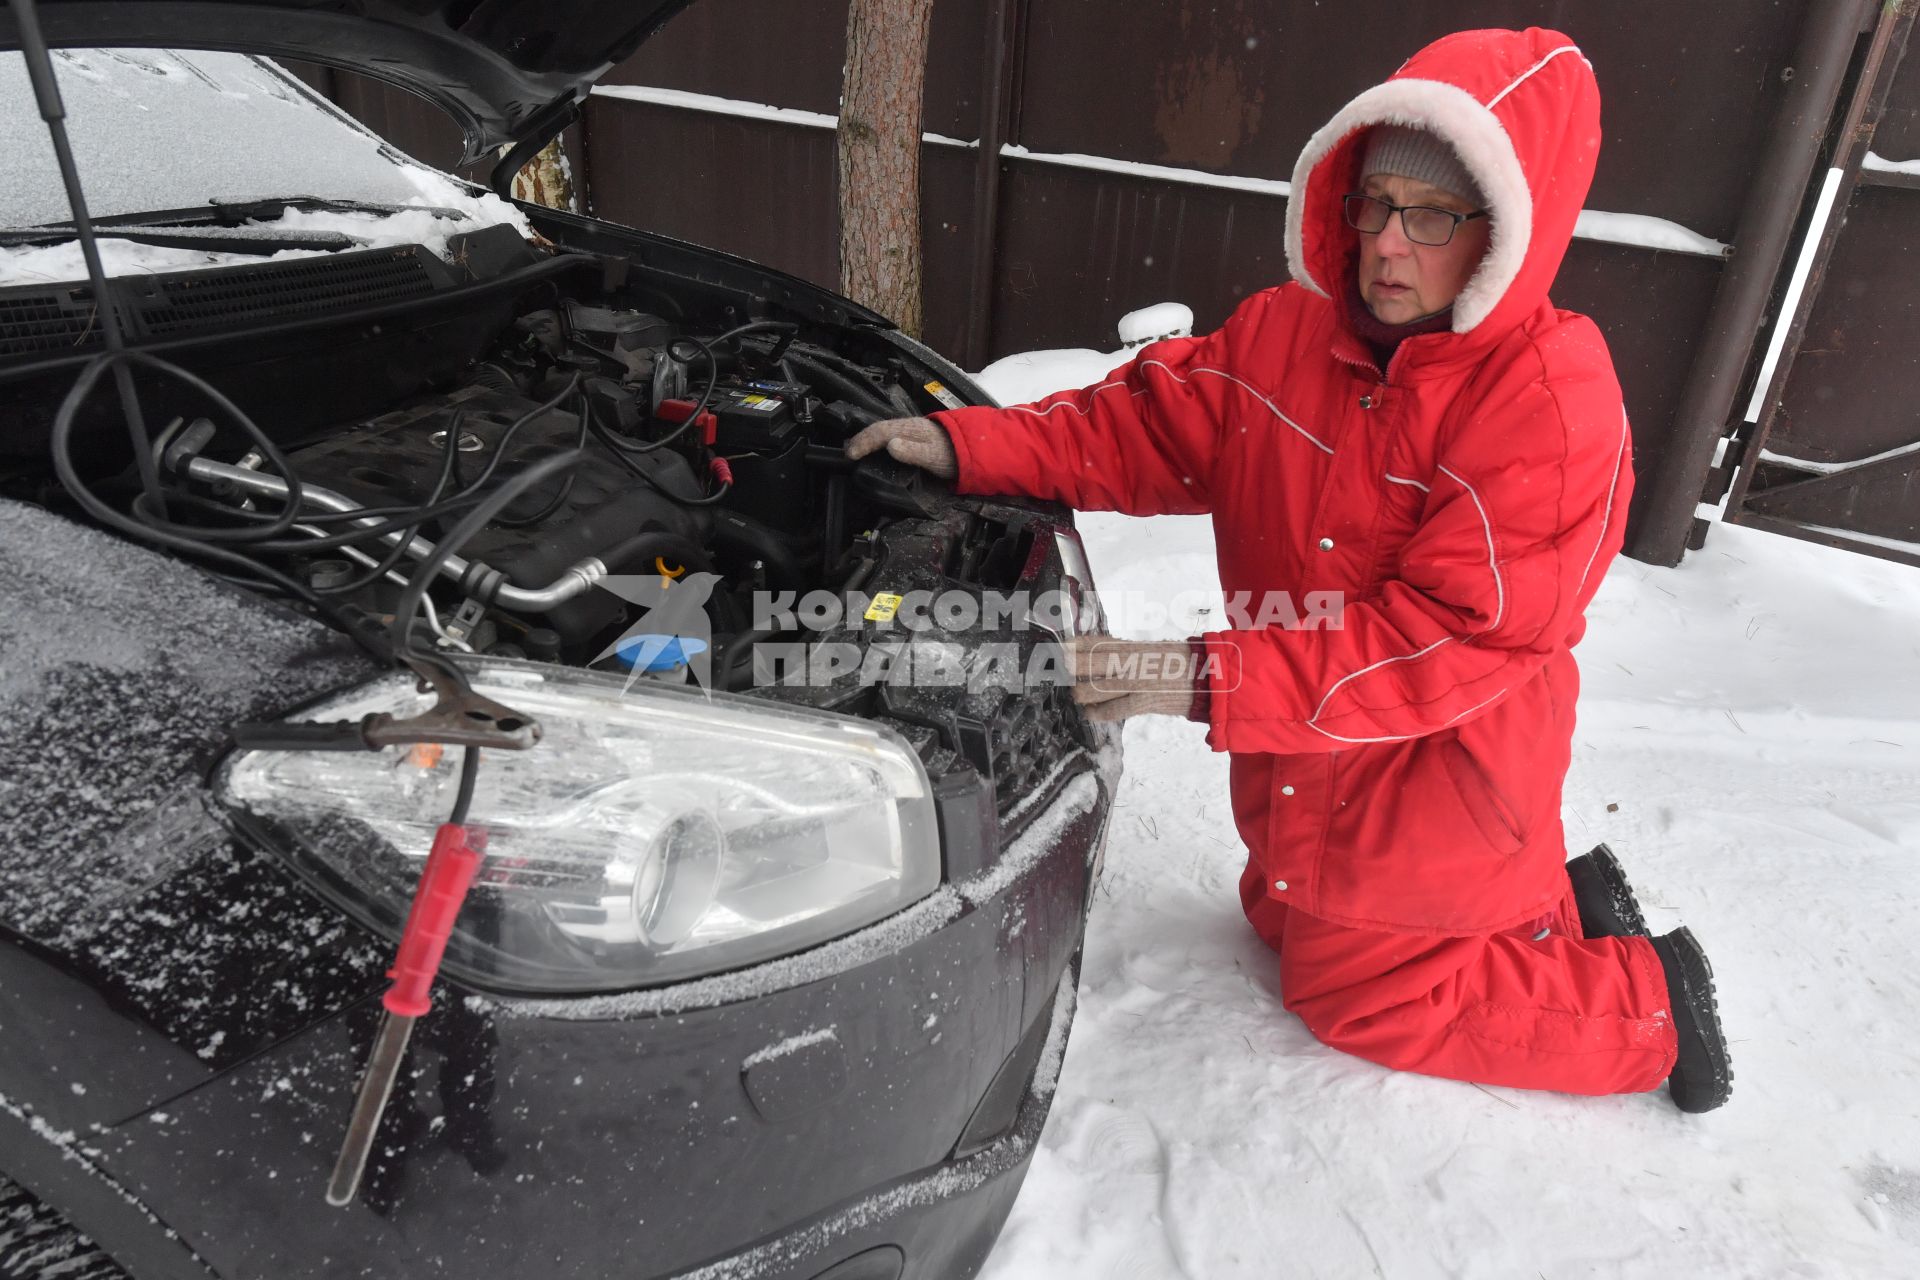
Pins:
<point x="1749" y="744"/>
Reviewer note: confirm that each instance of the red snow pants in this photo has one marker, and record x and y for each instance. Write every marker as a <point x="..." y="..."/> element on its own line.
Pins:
<point x="1536" y="1007"/>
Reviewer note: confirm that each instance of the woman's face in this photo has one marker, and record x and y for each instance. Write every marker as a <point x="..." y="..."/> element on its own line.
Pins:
<point x="1401" y="281"/>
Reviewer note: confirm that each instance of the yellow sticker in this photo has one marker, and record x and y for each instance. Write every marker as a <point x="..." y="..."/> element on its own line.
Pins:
<point x="938" y="391"/>
<point x="884" y="606"/>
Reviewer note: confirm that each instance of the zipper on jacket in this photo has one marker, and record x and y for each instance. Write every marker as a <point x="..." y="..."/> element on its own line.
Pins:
<point x="1370" y="399"/>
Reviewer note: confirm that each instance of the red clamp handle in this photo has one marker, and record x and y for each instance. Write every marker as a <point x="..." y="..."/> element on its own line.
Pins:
<point x="677" y="411"/>
<point x="436" y="904"/>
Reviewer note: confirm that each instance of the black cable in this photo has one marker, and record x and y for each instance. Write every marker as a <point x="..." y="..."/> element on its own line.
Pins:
<point x="463" y="799"/>
<point x="393" y="557"/>
<point x="407" y="511"/>
<point x="414" y="516"/>
<point x="709" y="499"/>
<point x="161" y="532"/>
<point x="401" y="632"/>
<point x="699" y="406"/>
<point x="62" y="436"/>
<point x="606" y="437"/>
<point x="194" y="500"/>
<point x="566" y="489"/>
<point x="500" y="446"/>
<point x="706" y="346"/>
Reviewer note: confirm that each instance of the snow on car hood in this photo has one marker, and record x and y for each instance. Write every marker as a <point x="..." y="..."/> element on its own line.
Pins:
<point x="501" y="68"/>
<point x="155" y="130"/>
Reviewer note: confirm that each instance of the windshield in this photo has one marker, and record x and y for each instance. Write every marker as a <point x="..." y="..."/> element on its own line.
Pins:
<point x="172" y="129"/>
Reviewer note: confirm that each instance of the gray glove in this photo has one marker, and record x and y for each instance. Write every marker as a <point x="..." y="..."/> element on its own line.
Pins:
<point x="1115" y="679"/>
<point x="919" y="442"/>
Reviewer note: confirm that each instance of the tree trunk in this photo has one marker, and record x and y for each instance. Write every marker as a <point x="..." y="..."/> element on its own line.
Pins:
<point x="881" y="93"/>
<point x="546" y="179"/>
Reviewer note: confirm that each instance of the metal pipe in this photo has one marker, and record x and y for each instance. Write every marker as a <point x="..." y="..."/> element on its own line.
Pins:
<point x="426" y="604"/>
<point x="492" y="587"/>
<point x="1761" y="243"/>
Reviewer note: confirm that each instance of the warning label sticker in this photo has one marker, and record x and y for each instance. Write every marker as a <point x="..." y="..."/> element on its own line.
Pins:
<point x="938" y="390"/>
<point x="884" y="606"/>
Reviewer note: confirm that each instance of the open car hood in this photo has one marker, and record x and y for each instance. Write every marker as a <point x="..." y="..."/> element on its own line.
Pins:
<point x="504" y="69"/>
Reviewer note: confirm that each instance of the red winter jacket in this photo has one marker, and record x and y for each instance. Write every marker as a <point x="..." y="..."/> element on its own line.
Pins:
<point x="1404" y="771"/>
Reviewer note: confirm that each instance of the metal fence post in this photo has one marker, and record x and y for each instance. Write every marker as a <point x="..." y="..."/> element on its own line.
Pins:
<point x="1761" y="244"/>
<point x="1853" y="138"/>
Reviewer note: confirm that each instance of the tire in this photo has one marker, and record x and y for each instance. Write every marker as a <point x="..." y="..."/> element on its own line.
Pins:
<point x="36" y="1243"/>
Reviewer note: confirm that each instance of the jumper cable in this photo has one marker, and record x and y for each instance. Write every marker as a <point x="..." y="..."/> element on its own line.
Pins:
<point x="444" y="881"/>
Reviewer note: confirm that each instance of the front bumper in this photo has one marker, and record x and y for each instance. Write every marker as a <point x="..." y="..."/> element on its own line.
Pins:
<point x="877" y="1096"/>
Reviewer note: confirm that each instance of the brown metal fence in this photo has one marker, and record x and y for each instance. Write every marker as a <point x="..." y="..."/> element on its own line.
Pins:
<point x="1041" y="228"/>
<point x="1832" y="450"/>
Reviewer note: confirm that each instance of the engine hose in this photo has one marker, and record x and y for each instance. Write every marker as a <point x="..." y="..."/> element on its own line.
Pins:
<point x="858" y="391"/>
<point x="836" y="522"/>
<point x="742" y="642"/>
<point x="494" y="378"/>
<point x="892" y="392"/>
<point x="744" y="533"/>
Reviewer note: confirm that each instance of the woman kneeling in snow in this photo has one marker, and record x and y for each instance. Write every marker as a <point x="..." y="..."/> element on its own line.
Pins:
<point x="1412" y="424"/>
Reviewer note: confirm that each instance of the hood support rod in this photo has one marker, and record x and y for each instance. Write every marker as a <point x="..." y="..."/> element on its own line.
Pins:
<point x="542" y="129"/>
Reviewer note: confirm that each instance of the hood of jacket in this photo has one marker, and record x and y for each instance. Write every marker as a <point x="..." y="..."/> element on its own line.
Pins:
<point x="1522" y="110"/>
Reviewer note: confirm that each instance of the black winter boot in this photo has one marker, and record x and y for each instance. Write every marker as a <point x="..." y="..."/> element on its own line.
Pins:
<point x="1702" y="1076"/>
<point x="1600" y="889"/>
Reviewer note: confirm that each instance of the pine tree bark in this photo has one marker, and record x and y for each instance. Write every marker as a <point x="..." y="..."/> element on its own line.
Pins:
<point x="879" y="150"/>
<point x="546" y="179"/>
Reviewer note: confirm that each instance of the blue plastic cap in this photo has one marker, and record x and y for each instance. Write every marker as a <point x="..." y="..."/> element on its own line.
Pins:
<point x="657" y="652"/>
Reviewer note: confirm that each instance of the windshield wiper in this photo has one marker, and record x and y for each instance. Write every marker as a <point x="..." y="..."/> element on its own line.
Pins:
<point x="216" y="239"/>
<point x="182" y="228"/>
<point x="218" y="214"/>
<point x="269" y="210"/>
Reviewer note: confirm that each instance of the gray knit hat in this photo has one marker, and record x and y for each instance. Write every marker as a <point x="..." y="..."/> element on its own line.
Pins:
<point x="1422" y="156"/>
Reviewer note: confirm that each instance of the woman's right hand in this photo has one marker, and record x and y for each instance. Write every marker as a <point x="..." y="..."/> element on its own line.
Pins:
<point x="919" y="442"/>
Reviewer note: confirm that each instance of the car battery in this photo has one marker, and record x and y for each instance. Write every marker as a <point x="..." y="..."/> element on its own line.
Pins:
<point x="756" y="416"/>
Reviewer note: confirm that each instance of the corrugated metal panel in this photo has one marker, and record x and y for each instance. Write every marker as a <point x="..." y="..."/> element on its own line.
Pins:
<point x="1842" y="451"/>
<point x="1239" y="87"/>
<point x="760" y="190"/>
<point x="790" y="55"/>
<point x="1233" y="87"/>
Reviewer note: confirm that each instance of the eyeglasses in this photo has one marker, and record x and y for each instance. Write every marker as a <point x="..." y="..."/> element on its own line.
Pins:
<point x="1423" y="223"/>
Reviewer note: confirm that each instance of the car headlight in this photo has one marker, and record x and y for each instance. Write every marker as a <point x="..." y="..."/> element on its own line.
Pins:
<point x="653" y="835"/>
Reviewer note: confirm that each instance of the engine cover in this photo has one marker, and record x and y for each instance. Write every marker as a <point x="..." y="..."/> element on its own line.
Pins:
<point x="394" y="460"/>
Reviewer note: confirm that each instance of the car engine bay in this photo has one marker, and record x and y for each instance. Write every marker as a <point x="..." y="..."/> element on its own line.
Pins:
<point x="706" y="429"/>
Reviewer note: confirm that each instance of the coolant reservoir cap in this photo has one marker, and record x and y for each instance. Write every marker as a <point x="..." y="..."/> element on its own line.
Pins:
<point x="657" y="652"/>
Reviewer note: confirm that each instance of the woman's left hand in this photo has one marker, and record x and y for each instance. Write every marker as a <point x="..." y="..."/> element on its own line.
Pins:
<point x="1114" y="679"/>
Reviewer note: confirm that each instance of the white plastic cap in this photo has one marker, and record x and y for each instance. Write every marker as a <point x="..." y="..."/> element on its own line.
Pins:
<point x="1151" y="324"/>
